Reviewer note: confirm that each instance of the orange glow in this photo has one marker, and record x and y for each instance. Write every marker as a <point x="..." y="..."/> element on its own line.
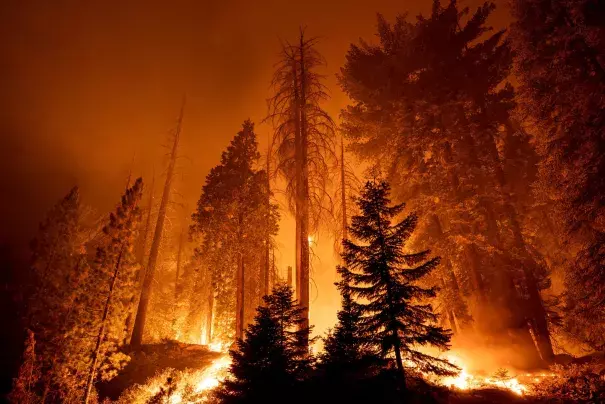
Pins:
<point x="467" y="381"/>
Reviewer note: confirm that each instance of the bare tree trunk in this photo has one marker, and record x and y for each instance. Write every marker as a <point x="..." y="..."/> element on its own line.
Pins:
<point x="540" y="317"/>
<point x="266" y="269"/>
<point x="298" y="179"/>
<point x="209" y="315"/>
<point x="304" y="197"/>
<point x="289" y="279"/>
<point x="139" y="325"/>
<point x="449" y="312"/>
<point x="343" y="191"/>
<point x="143" y="244"/>
<point x="95" y="354"/>
<point x="239" y="319"/>
<point x="178" y="265"/>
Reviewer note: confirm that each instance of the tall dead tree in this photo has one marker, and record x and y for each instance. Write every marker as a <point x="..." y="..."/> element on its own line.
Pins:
<point x="145" y="236"/>
<point x="304" y="138"/>
<point x="343" y="191"/>
<point x="139" y="324"/>
<point x="267" y="263"/>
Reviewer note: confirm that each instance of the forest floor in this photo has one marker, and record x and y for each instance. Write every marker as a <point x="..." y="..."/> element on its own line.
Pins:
<point x="155" y="365"/>
<point x="152" y="360"/>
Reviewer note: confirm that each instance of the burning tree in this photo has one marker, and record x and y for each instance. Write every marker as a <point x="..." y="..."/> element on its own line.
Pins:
<point x="384" y="284"/>
<point x="560" y="65"/>
<point x="59" y="272"/>
<point x="304" y="135"/>
<point x="431" y="106"/>
<point x="232" y="221"/>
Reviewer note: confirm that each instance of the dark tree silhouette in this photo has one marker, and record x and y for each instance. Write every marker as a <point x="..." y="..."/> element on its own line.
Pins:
<point x="560" y="55"/>
<point x="384" y="284"/>
<point x="272" y="360"/>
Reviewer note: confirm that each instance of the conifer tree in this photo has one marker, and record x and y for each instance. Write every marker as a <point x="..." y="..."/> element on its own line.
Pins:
<point x="231" y="223"/>
<point x="24" y="385"/>
<point x="59" y="270"/>
<point x="272" y="360"/>
<point x="347" y="352"/>
<point x="397" y="318"/>
<point x="560" y="63"/>
<point x="304" y="137"/>
<point x="112" y="286"/>
<point x="431" y="102"/>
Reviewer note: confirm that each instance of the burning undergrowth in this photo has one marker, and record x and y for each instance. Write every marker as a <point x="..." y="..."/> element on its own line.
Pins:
<point x="179" y="386"/>
<point x="153" y="365"/>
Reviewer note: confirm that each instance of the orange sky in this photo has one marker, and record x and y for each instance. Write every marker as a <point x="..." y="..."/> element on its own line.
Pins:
<point x="86" y="84"/>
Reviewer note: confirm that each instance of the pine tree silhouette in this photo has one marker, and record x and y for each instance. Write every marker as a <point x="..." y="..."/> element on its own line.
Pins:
<point x="396" y="317"/>
<point x="272" y="360"/>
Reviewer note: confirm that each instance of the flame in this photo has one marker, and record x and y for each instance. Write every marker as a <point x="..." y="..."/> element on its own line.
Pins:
<point x="213" y="375"/>
<point x="467" y="381"/>
<point x="217" y="346"/>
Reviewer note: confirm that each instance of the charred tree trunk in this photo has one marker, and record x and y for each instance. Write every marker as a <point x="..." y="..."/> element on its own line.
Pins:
<point x="179" y="258"/>
<point x="139" y="325"/>
<point x="267" y="263"/>
<point x="473" y="262"/>
<point x="239" y="319"/>
<point x="537" y="311"/>
<point x="459" y="308"/>
<point x="304" y="197"/>
<point x="209" y="313"/>
<point x="449" y="312"/>
<point x="343" y="192"/>
<point x="100" y="335"/>
<point x="145" y="235"/>
<point x="289" y="278"/>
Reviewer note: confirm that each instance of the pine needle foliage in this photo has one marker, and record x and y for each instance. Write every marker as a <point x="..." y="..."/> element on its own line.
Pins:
<point x="396" y="315"/>
<point x="272" y="360"/>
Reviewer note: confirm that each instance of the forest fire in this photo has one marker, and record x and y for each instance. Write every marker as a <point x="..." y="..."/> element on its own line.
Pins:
<point x="435" y="230"/>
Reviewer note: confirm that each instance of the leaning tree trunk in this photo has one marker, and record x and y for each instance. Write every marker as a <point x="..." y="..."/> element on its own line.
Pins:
<point x="95" y="354"/>
<point x="139" y="325"/>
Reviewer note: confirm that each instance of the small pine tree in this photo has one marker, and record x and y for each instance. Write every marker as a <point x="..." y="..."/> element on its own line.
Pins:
<point x="272" y="359"/>
<point x="346" y="351"/>
<point x="383" y="283"/>
<point x="23" y="391"/>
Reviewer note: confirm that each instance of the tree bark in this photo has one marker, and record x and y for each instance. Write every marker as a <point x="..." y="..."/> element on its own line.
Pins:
<point x="139" y="324"/>
<point x="304" y="197"/>
<point x="239" y="320"/>
<point x="209" y="314"/>
<point x="343" y="191"/>
<point x="267" y="263"/>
